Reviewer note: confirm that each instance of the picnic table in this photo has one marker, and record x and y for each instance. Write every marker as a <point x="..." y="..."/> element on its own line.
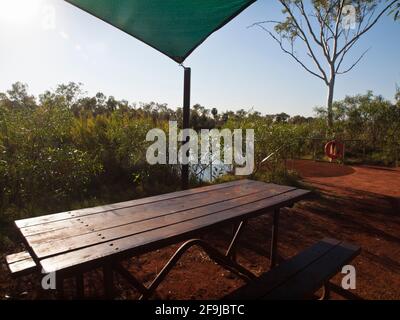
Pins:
<point x="74" y="242"/>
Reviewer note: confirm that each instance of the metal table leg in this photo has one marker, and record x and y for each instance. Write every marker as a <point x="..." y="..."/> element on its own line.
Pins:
<point x="80" y="288"/>
<point x="231" y="252"/>
<point x="223" y="260"/>
<point x="274" y="238"/>
<point x="108" y="278"/>
<point x="214" y="254"/>
<point x="60" y="287"/>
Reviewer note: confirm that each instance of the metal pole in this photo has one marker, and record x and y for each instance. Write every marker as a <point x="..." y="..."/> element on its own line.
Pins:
<point x="186" y="122"/>
<point x="274" y="238"/>
<point x="108" y="279"/>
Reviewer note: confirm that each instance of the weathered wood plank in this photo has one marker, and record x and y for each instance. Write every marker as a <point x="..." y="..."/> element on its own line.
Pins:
<point x="310" y="279"/>
<point x="88" y="211"/>
<point x="72" y="243"/>
<point x="92" y="223"/>
<point x="22" y="267"/>
<point x="139" y="214"/>
<point x="15" y="257"/>
<point x="20" y="263"/>
<point x="300" y="276"/>
<point x="271" y="279"/>
<point x="151" y="240"/>
<point x="153" y="209"/>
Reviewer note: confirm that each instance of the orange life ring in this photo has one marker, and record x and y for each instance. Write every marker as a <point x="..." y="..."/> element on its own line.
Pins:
<point x="334" y="149"/>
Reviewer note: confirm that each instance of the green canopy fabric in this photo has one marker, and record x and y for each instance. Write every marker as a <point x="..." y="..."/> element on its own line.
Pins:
<point x="173" y="27"/>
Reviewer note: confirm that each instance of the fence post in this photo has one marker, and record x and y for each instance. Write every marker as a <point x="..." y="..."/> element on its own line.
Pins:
<point x="363" y="151"/>
<point x="314" y="150"/>
<point x="285" y="161"/>
<point x="344" y="152"/>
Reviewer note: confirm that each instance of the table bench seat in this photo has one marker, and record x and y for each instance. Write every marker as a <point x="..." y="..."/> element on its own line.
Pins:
<point x="20" y="263"/>
<point x="302" y="275"/>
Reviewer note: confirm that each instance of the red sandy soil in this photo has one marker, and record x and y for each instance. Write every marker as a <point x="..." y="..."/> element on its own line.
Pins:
<point x="358" y="204"/>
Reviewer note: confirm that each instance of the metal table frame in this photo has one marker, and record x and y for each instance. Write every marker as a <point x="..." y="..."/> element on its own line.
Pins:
<point x="226" y="260"/>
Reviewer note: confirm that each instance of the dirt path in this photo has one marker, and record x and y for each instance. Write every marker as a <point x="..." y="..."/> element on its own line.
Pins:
<point x="358" y="204"/>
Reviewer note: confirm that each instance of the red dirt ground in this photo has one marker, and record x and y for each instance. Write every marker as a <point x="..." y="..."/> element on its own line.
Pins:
<point x="358" y="204"/>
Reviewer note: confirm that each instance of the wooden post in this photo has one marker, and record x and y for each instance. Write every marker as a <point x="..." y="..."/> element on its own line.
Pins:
<point x="363" y="151"/>
<point x="186" y="121"/>
<point x="314" y="150"/>
<point x="344" y="152"/>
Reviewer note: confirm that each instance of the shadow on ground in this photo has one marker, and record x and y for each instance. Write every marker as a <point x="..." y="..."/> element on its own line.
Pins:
<point x="361" y="206"/>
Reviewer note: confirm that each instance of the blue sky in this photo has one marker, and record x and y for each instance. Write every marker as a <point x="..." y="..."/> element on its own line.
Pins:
<point x="51" y="42"/>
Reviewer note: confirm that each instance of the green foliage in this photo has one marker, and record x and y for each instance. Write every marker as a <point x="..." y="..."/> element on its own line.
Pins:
<point x="276" y="134"/>
<point x="395" y="11"/>
<point x="67" y="150"/>
<point x="38" y="159"/>
<point x="372" y="119"/>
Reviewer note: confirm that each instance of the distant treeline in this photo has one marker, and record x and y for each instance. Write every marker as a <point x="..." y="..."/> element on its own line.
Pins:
<point x="65" y="149"/>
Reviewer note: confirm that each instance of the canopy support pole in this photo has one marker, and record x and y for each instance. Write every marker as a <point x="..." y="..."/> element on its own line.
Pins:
<point x="186" y="122"/>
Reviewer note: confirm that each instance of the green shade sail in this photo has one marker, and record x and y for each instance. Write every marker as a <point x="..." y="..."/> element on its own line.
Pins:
<point x="173" y="27"/>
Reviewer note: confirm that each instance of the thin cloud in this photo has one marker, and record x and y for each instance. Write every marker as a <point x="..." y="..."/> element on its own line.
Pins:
<point x="64" y="35"/>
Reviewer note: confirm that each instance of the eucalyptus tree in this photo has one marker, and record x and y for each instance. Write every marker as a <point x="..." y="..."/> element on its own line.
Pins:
<point x="320" y="34"/>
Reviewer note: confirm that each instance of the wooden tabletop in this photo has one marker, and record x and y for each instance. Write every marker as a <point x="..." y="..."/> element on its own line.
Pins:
<point x="90" y="237"/>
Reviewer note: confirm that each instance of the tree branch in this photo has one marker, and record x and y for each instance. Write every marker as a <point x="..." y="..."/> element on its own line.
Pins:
<point x="306" y="41"/>
<point x="367" y="27"/>
<point x="288" y="52"/>
<point x="337" y="33"/>
<point x="320" y="42"/>
<point x="353" y="65"/>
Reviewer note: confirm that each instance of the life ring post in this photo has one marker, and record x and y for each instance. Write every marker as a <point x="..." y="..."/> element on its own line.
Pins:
<point x="334" y="150"/>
